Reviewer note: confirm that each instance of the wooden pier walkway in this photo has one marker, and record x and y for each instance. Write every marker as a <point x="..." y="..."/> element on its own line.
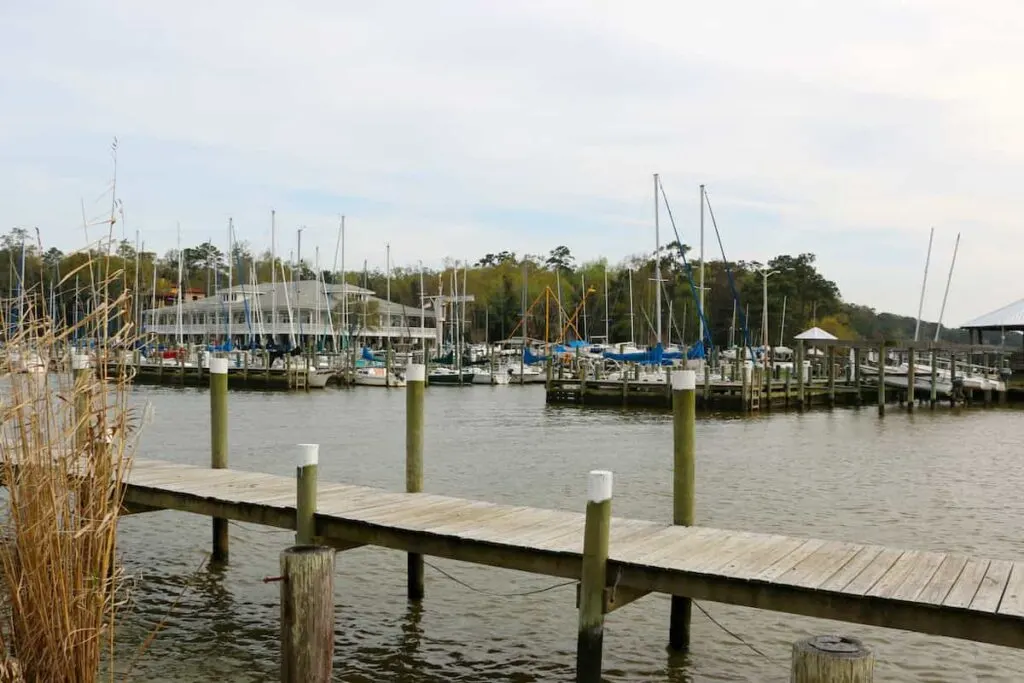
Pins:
<point x="944" y="594"/>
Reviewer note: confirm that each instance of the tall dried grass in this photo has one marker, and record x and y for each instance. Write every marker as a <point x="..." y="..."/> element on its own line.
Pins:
<point x="65" y="447"/>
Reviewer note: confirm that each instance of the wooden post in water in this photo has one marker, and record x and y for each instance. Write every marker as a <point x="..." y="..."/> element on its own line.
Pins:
<point x="933" y="392"/>
<point x="306" y="466"/>
<point x="831" y="360"/>
<point x="881" y="379"/>
<point x="219" y="444"/>
<point x="952" y="378"/>
<point x="589" y="643"/>
<point x="744" y="383"/>
<point x="83" y="397"/>
<point x="800" y="395"/>
<point x="789" y="385"/>
<point x="985" y="372"/>
<point x="911" y="379"/>
<point x="415" y="377"/>
<point x="831" y="659"/>
<point x="857" y="377"/>
<point x="684" y="420"/>
<point x="307" y="614"/>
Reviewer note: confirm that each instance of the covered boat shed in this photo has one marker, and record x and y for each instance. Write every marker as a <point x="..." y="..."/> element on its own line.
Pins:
<point x="1009" y="318"/>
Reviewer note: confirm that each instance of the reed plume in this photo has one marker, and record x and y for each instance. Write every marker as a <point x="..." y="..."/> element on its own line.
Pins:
<point x="66" y="442"/>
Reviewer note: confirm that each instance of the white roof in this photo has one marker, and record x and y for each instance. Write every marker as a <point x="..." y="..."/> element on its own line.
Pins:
<point x="1010" y="317"/>
<point x="815" y="333"/>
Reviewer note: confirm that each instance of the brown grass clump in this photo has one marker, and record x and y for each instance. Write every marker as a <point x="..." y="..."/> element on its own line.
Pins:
<point x="66" y="440"/>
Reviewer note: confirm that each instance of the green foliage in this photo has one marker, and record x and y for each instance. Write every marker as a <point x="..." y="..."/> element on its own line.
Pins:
<point x="496" y="281"/>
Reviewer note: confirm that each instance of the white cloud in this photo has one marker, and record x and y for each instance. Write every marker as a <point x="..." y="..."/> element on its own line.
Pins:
<point x="458" y="128"/>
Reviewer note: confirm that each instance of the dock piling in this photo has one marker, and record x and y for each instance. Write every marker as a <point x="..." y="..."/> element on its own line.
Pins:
<point x="593" y="576"/>
<point x="825" y="659"/>
<point x="911" y="380"/>
<point x="415" y="377"/>
<point x="80" y="371"/>
<point x="881" y="379"/>
<point x="306" y="466"/>
<point x="219" y="444"/>
<point x="934" y="389"/>
<point x="684" y="419"/>
<point x="800" y="379"/>
<point x="830" y="355"/>
<point x="307" y="614"/>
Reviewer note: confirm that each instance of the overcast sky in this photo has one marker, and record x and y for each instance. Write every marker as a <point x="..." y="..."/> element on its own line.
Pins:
<point x="452" y="129"/>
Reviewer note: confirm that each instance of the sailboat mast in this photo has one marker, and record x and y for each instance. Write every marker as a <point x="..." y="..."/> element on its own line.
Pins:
<point x="231" y="313"/>
<point x="657" y="263"/>
<point x="703" y="332"/>
<point x="273" y="276"/>
<point x="423" y="317"/>
<point x="607" y="311"/>
<point x="583" y="288"/>
<point x="344" y="294"/>
<point x="924" y="283"/>
<point x="945" y="295"/>
<point x="782" y="323"/>
<point x="180" y="265"/>
<point x="632" y="333"/>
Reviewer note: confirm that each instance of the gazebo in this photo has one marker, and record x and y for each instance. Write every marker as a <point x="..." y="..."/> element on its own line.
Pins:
<point x="816" y="334"/>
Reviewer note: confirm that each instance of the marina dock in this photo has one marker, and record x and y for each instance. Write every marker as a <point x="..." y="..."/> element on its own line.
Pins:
<point x="973" y="598"/>
<point x="835" y="373"/>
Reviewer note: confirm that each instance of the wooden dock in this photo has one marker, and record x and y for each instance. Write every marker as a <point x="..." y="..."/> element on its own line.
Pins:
<point x="972" y="598"/>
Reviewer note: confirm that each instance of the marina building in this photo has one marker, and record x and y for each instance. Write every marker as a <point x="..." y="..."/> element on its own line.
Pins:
<point x="290" y="314"/>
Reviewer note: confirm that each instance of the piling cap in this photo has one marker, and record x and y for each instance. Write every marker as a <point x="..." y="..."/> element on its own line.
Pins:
<point x="599" y="486"/>
<point x="685" y="380"/>
<point x="415" y="372"/>
<point x="218" y="366"/>
<point x="308" y="454"/>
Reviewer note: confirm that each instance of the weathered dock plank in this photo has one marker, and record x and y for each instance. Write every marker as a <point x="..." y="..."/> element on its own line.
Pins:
<point x="944" y="594"/>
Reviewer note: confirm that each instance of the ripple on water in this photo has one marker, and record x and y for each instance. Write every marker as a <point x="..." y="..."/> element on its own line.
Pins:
<point x="934" y="481"/>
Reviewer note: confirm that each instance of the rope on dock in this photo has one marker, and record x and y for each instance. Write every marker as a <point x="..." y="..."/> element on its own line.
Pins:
<point x="500" y="595"/>
<point x="734" y="635"/>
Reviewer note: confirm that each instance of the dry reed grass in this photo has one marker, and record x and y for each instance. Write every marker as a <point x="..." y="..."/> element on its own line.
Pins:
<point x="66" y="444"/>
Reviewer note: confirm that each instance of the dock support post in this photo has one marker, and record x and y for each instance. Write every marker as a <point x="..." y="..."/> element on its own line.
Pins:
<point x="684" y="419"/>
<point x="219" y="444"/>
<point x="911" y="379"/>
<point x="831" y="359"/>
<point x="307" y="614"/>
<point x="744" y="379"/>
<point x="952" y="379"/>
<point x="933" y="393"/>
<point x="305" y="493"/>
<point x="857" y="378"/>
<point x="415" y="376"/>
<point x="824" y="659"/>
<point x="800" y="395"/>
<point x="986" y="372"/>
<point x="881" y="379"/>
<point x="83" y="398"/>
<point x="589" y="643"/>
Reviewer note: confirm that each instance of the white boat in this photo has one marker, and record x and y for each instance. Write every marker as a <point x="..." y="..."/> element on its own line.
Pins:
<point x="318" y="377"/>
<point x="376" y="377"/>
<point x="530" y="375"/>
<point x="26" y="362"/>
<point x="484" y="376"/>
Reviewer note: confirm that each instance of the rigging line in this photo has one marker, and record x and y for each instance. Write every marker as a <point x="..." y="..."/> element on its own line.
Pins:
<point x="689" y="269"/>
<point x="499" y="595"/>
<point x="734" y="635"/>
<point x="728" y="272"/>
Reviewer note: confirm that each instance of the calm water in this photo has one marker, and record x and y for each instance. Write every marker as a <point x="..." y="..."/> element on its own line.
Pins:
<point x="944" y="481"/>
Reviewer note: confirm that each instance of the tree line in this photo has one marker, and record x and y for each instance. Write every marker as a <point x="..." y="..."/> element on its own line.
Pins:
<point x="598" y="297"/>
